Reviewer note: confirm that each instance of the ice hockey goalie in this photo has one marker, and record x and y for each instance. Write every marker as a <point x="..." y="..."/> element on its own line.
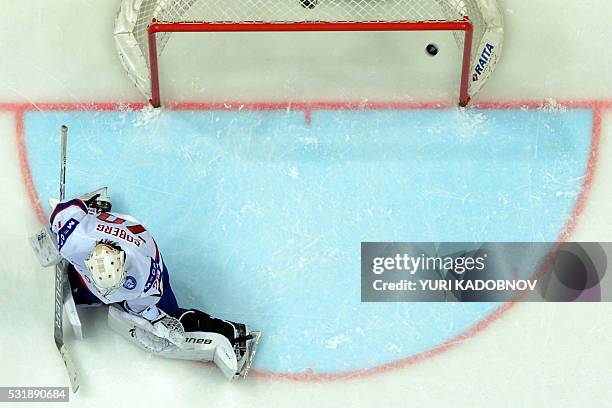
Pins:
<point x="114" y="260"/>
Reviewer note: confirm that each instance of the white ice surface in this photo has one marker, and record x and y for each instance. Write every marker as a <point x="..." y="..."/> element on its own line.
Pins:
<point x="535" y="355"/>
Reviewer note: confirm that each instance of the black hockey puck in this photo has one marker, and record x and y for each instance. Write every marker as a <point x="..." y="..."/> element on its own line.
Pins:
<point x="432" y="49"/>
<point x="310" y="4"/>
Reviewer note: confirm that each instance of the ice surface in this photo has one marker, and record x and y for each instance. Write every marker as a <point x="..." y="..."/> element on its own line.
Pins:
<point x="556" y="54"/>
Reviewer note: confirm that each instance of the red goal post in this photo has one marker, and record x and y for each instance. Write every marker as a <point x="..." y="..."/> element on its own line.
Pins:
<point x="143" y="28"/>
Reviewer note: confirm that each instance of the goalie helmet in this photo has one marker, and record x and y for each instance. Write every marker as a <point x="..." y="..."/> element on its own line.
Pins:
<point x="105" y="266"/>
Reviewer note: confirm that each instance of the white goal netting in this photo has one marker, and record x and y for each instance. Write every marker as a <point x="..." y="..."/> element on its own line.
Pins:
<point x="135" y="16"/>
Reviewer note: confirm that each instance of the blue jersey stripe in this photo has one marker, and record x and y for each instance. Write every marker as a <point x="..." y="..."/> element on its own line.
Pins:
<point x="62" y="206"/>
<point x="64" y="233"/>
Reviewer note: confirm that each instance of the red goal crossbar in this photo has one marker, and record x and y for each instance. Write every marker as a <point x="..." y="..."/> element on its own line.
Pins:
<point x="259" y="26"/>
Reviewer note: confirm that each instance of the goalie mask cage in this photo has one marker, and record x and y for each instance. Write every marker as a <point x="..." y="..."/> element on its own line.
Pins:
<point x="143" y="28"/>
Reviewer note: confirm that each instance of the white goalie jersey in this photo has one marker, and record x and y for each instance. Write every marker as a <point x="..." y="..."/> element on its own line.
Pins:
<point x="78" y="232"/>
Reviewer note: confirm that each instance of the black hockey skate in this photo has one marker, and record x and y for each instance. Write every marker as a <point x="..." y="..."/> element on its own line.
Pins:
<point x="245" y="347"/>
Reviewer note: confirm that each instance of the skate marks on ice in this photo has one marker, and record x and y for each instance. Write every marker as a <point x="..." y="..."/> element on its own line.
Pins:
<point x="260" y="212"/>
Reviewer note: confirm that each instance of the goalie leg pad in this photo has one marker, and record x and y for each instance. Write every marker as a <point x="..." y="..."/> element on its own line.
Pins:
<point x="197" y="346"/>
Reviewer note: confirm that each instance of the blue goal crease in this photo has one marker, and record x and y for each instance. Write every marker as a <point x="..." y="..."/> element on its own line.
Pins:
<point x="260" y="216"/>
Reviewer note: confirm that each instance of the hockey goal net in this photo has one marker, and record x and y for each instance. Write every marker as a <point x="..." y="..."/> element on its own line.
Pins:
<point x="143" y="28"/>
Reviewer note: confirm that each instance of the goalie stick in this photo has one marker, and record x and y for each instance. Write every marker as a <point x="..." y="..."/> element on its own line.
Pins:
<point x="58" y="331"/>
